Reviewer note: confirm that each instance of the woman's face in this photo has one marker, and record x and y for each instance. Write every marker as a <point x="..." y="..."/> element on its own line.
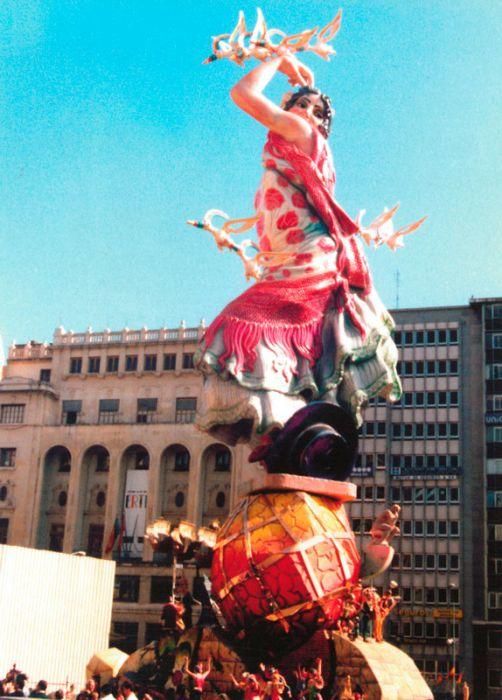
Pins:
<point x="311" y="108"/>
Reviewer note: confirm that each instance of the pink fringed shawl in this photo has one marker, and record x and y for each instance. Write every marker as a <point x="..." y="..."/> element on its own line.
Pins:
<point x="288" y="315"/>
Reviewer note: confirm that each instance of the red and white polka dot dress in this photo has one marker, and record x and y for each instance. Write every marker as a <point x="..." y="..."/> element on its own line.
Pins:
<point x="288" y="225"/>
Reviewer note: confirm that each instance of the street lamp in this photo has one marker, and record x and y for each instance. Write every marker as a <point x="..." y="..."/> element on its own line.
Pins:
<point x="453" y="640"/>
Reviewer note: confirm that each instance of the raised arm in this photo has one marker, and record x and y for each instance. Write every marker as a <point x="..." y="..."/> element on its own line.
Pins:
<point x="248" y="95"/>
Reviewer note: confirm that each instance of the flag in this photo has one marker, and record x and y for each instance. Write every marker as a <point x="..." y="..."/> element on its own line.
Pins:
<point x="451" y="672"/>
<point x="121" y="534"/>
<point x="116" y="535"/>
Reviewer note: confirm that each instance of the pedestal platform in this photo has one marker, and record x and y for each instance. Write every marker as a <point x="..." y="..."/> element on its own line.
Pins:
<point x="342" y="491"/>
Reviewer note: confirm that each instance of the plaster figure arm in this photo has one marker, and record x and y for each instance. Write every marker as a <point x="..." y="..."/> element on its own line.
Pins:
<point x="187" y="670"/>
<point x="248" y="96"/>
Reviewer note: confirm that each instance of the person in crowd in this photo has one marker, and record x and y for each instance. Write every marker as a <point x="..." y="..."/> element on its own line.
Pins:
<point x="198" y="678"/>
<point x="70" y="693"/>
<point x="18" y="691"/>
<point x="128" y="690"/>
<point x="90" y="691"/>
<point x="40" y="690"/>
<point x="315" y="682"/>
<point x="106" y="692"/>
<point x="248" y="685"/>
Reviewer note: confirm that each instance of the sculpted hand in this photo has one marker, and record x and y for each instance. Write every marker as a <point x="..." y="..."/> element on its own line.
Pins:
<point x="297" y="73"/>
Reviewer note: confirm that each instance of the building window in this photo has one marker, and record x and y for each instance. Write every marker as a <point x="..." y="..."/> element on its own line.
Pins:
<point x="406" y="595"/>
<point x="153" y="632"/>
<point x="3" y="493"/>
<point x="442" y="562"/>
<point x="62" y="499"/>
<point x="442" y="596"/>
<point x="160" y="588"/>
<point x="94" y="365"/>
<point x="56" y="537"/>
<point x="220" y="499"/>
<point x="418" y="629"/>
<point x="147" y="408"/>
<point x="494" y="403"/>
<point x="109" y="410"/>
<point x="112" y="364"/>
<point x="497" y="566"/>
<point x="75" y="365"/>
<point x="494" y="600"/>
<point x="12" y="412"/>
<point x="4" y="530"/>
<point x="494" y="371"/>
<point x="7" y="456"/>
<point x="181" y="460"/>
<point x="95" y="540"/>
<point x="494" y="639"/>
<point x="131" y="364"/>
<point x="150" y="363"/>
<point x="45" y="376"/>
<point x="188" y="360"/>
<point x="494" y="499"/>
<point x="179" y="499"/>
<point x="185" y="409"/>
<point x="126" y="634"/>
<point x="494" y="678"/>
<point x="170" y="362"/>
<point x="126" y="589"/>
<point x="71" y="412"/>
<point x="222" y="461"/>
<point x="453" y="494"/>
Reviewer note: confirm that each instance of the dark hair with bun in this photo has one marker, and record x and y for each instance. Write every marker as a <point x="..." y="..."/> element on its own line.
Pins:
<point x="325" y="125"/>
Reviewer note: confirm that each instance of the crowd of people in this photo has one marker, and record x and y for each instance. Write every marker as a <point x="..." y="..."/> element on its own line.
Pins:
<point x="268" y="683"/>
<point x="16" y="685"/>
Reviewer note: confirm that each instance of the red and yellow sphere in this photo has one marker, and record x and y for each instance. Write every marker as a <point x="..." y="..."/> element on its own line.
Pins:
<point x="281" y="564"/>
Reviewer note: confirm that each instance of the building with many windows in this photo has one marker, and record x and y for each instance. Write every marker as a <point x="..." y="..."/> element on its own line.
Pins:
<point x="95" y="429"/>
<point x="98" y="426"/>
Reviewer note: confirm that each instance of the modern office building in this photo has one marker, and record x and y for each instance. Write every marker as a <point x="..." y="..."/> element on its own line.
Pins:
<point x="97" y="426"/>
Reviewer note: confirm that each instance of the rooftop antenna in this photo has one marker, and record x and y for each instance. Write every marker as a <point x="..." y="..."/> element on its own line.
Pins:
<point x="398" y="279"/>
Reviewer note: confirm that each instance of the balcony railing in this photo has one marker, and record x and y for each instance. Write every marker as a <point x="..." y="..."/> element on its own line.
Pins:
<point x="127" y="336"/>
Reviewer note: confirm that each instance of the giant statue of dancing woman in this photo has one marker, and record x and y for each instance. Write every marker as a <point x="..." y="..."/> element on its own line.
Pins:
<point x="313" y="328"/>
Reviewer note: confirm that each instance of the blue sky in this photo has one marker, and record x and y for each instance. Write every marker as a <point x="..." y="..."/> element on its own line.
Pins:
<point x="112" y="134"/>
